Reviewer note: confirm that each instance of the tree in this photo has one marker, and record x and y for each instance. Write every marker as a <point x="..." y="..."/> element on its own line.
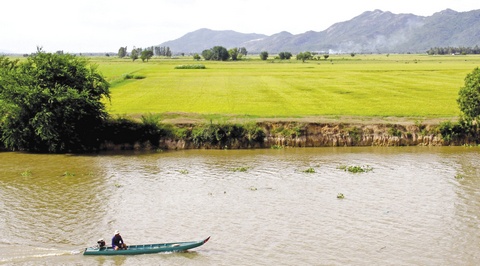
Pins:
<point x="218" y="53"/>
<point x="51" y="103"/>
<point x="196" y="57"/>
<point x="243" y="51"/>
<point x="304" y="56"/>
<point x="122" y="52"/>
<point x="326" y="56"/>
<point x="469" y="96"/>
<point x="352" y="54"/>
<point x="162" y="50"/>
<point x="146" y="55"/>
<point x="234" y="53"/>
<point x="264" y="55"/>
<point x="168" y="52"/>
<point x="134" y="54"/>
<point x="207" y="54"/>
<point x="285" y="55"/>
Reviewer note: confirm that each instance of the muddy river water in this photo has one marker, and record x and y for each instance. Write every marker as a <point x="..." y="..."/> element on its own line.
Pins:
<point x="417" y="206"/>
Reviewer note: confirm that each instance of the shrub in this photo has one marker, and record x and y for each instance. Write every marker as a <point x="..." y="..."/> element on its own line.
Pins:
<point x="393" y="131"/>
<point x="355" y="133"/>
<point x="288" y="132"/>
<point x="131" y="76"/>
<point x="226" y="134"/>
<point x="195" y="66"/>
<point x="450" y="131"/>
<point x="126" y="131"/>
<point x="254" y="133"/>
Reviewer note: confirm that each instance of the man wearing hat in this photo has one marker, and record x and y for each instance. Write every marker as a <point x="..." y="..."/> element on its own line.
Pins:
<point x="117" y="241"/>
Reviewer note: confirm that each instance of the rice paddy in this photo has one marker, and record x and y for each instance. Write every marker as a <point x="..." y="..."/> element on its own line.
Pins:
<point x="414" y="86"/>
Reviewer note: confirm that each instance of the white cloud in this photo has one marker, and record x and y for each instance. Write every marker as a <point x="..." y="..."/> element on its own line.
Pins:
<point x="105" y="25"/>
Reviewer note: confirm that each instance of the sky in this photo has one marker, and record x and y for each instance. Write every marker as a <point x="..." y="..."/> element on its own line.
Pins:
<point x="106" y="25"/>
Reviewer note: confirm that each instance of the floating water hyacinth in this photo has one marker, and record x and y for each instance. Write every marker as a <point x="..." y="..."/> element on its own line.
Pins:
<point x="309" y="170"/>
<point x="26" y="173"/>
<point x="356" y="168"/>
<point x="240" y="169"/>
<point x="67" y="173"/>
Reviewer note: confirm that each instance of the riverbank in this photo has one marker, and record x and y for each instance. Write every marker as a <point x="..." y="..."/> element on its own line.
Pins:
<point x="280" y="134"/>
<point x="152" y="134"/>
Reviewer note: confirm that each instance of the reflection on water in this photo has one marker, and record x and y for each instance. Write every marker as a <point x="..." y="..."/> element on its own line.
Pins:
<point x="419" y="206"/>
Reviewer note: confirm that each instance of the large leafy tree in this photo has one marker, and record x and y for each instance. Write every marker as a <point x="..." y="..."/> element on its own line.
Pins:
<point x="207" y="54"/>
<point x="234" y="53"/>
<point x="243" y="51"/>
<point x="51" y="103"/>
<point x="122" y="52"/>
<point x="134" y="54"/>
<point x="146" y="55"/>
<point x="285" y="55"/>
<point x="217" y="53"/>
<point x="469" y="96"/>
<point x="264" y="55"/>
<point x="304" y="56"/>
<point x="220" y="53"/>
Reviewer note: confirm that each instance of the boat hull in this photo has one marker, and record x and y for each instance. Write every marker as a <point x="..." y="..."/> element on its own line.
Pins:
<point x="145" y="249"/>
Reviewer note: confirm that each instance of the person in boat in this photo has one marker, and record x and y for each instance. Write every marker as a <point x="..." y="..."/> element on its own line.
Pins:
<point x="117" y="241"/>
<point x="101" y="243"/>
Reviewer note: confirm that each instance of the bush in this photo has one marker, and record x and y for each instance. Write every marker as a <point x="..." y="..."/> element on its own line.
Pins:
<point x="131" y="76"/>
<point x="393" y="131"/>
<point x="461" y="130"/>
<point x="264" y="55"/>
<point x="195" y="66"/>
<point x="126" y="131"/>
<point x="226" y="134"/>
<point x="469" y="96"/>
<point x="51" y="103"/>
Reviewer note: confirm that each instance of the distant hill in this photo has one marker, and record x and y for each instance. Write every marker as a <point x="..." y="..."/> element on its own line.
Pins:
<point x="370" y="32"/>
<point x="199" y="40"/>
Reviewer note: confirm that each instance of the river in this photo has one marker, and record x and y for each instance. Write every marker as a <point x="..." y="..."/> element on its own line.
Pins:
<point x="417" y="206"/>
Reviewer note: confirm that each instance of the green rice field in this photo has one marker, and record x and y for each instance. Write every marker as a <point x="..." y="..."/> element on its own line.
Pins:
<point x="413" y="86"/>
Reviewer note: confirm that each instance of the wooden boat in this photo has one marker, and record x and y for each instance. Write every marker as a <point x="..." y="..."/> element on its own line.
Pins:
<point x="145" y="249"/>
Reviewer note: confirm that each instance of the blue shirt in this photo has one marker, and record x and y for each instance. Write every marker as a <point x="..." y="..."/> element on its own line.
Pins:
<point x="117" y="240"/>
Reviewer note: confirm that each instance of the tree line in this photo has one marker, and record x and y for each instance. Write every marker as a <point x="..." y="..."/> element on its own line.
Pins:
<point x="454" y="50"/>
<point x="216" y="53"/>
<point x="220" y="53"/>
<point x="144" y="54"/>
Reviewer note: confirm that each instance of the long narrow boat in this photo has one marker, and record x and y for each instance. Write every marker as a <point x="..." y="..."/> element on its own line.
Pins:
<point x="146" y="249"/>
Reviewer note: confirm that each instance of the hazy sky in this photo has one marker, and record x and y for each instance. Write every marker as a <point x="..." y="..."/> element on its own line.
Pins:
<point x="106" y="25"/>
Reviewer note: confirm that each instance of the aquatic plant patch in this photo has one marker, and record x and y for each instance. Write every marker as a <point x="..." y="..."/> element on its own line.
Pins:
<point x="309" y="170"/>
<point x="355" y="168"/>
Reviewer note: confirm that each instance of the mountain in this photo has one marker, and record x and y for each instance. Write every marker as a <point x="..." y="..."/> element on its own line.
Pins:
<point x="199" y="40"/>
<point x="370" y="32"/>
<point x="447" y="28"/>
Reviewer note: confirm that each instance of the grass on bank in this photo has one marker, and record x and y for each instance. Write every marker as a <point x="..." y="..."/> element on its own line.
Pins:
<point x="362" y="86"/>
